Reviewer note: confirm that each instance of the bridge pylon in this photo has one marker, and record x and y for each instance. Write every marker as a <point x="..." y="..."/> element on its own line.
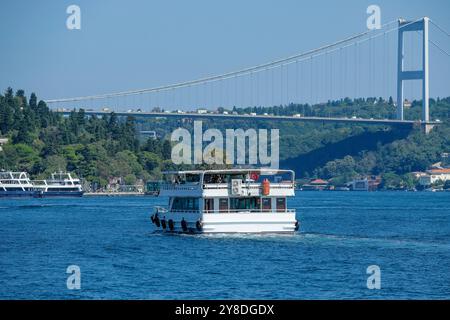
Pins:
<point x="403" y="75"/>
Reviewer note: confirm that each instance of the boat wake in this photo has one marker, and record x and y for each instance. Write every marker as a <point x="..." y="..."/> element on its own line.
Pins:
<point x="317" y="239"/>
<point x="373" y="241"/>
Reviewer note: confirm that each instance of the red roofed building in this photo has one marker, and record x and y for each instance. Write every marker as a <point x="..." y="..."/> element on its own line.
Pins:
<point x="316" y="184"/>
<point x="434" y="175"/>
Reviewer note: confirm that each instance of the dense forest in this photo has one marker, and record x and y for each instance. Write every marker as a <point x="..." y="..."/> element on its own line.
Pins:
<point x="99" y="148"/>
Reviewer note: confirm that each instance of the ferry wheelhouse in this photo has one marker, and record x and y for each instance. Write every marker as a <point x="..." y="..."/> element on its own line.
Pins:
<point x="16" y="184"/>
<point x="227" y="201"/>
<point x="61" y="184"/>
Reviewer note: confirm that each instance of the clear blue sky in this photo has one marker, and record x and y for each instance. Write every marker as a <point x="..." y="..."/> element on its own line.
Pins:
<point x="137" y="44"/>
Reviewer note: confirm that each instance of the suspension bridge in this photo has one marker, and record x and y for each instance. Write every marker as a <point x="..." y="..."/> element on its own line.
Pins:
<point x="384" y="63"/>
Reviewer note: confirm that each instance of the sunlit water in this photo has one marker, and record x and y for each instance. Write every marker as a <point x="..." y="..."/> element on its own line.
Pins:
<point x="121" y="257"/>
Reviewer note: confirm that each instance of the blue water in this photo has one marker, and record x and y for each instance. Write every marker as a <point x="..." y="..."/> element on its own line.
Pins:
<point x="121" y="257"/>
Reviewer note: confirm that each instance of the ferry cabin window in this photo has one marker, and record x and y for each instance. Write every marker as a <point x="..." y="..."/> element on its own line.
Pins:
<point x="252" y="204"/>
<point x="281" y="204"/>
<point x="221" y="178"/>
<point x="185" y="204"/>
<point x="15" y="189"/>
<point x="192" y="178"/>
<point x="214" y="178"/>
<point x="223" y="204"/>
<point x="280" y="177"/>
<point x="209" y="204"/>
<point x="63" y="189"/>
<point x="185" y="178"/>
<point x="266" y="204"/>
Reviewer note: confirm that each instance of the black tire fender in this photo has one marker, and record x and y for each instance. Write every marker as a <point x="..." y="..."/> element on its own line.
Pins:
<point x="157" y="221"/>
<point x="184" y="225"/>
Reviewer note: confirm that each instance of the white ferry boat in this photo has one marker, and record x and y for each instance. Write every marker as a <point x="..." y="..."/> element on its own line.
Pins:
<point x="61" y="184"/>
<point x="227" y="201"/>
<point x="16" y="184"/>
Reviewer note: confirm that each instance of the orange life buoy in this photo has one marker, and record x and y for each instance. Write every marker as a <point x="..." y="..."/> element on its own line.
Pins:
<point x="265" y="187"/>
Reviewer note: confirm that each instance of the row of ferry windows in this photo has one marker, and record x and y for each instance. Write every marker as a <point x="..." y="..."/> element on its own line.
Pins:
<point x="265" y="204"/>
<point x="32" y="189"/>
<point x="18" y="189"/>
<point x="228" y="177"/>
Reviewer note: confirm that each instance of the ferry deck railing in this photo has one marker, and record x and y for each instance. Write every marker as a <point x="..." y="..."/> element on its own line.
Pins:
<point x="164" y="210"/>
<point x="250" y="211"/>
<point x="208" y="186"/>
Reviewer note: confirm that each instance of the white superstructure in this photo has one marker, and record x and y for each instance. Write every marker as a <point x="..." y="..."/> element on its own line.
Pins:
<point x="15" y="184"/>
<point x="223" y="201"/>
<point x="60" y="184"/>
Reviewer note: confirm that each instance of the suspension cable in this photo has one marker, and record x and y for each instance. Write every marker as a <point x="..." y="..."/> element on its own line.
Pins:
<point x="440" y="28"/>
<point x="242" y="72"/>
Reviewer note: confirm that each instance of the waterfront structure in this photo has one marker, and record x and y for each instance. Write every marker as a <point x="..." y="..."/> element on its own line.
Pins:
<point x="227" y="201"/>
<point x="360" y="185"/>
<point x="366" y="184"/>
<point x="315" y="185"/>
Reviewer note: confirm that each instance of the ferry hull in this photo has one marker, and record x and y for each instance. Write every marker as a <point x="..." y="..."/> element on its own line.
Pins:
<point x="249" y="223"/>
<point x="63" y="194"/>
<point x="229" y="223"/>
<point x="18" y="194"/>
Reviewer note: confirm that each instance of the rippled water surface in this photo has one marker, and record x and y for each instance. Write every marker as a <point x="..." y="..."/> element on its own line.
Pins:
<point x="121" y="256"/>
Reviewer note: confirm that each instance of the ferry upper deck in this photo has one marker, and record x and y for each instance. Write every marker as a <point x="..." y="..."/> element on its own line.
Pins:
<point x="228" y="183"/>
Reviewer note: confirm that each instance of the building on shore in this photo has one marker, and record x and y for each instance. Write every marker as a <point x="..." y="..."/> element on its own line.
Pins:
<point x="366" y="184"/>
<point x="316" y="185"/>
<point x="434" y="175"/>
<point x="135" y="188"/>
<point x="118" y="185"/>
<point x="360" y="185"/>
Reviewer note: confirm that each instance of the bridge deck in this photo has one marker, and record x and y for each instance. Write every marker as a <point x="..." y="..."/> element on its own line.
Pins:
<point x="406" y="123"/>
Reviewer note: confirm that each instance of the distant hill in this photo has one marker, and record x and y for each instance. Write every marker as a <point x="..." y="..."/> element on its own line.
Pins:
<point x="97" y="149"/>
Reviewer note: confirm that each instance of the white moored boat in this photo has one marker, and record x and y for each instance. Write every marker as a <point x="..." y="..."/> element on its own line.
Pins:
<point x="61" y="184"/>
<point x="16" y="184"/>
<point x="227" y="201"/>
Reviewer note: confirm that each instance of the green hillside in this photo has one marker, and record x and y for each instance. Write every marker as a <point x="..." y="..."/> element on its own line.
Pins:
<point x="98" y="148"/>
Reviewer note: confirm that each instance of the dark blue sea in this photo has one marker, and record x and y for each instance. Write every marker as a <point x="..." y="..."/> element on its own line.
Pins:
<point x="121" y="257"/>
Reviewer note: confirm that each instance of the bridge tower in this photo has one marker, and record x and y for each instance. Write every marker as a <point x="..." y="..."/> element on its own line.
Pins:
<point x="403" y="75"/>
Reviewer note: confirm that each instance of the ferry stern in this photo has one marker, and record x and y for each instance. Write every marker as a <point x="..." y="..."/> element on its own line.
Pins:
<point x="227" y="201"/>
